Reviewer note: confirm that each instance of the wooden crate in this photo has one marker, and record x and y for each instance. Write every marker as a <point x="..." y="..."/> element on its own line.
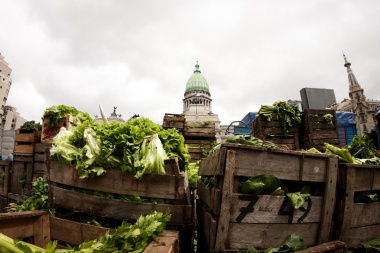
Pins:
<point x="4" y="177"/>
<point x="21" y="177"/>
<point x="171" y="186"/>
<point x="228" y="220"/>
<point x="313" y="122"/>
<point x="199" y="130"/>
<point x="274" y="132"/>
<point x="315" y="130"/>
<point x="198" y="148"/>
<point x="356" y="223"/>
<point x="43" y="228"/>
<point x="25" y="140"/>
<point x="39" y="168"/>
<point x="176" y="121"/>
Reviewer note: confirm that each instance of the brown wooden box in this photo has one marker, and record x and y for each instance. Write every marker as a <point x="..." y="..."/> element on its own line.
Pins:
<point x="356" y="223"/>
<point x="25" y="140"/>
<point x="3" y="204"/>
<point x="315" y="130"/>
<point x="313" y="122"/>
<point x="171" y="186"/>
<point x="44" y="228"/>
<point x="174" y="121"/>
<point x="273" y="131"/>
<point x="199" y="130"/>
<point x="228" y="220"/>
<point x="4" y="177"/>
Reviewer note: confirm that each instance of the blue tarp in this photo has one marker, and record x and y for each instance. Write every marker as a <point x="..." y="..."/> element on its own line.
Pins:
<point x="345" y="118"/>
<point x="248" y="119"/>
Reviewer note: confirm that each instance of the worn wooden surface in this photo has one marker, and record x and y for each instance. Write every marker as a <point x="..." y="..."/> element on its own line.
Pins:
<point x="166" y="242"/>
<point x="195" y="129"/>
<point x="207" y="227"/>
<point x="118" y="182"/>
<point x="21" y="176"/>
<point x="4" y="178"/>
<point x="356" y="223"/>
<point x="26" y="224"/>
<point x="265" y="221"/>
<point x="116" y="208"/>
<point x="333" y="246"/>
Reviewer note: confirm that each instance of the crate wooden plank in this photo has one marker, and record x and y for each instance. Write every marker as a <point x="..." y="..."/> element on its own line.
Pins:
<point x="23" y="148"/>
<point x="118" y="182"/>
<point x="73" y="232"/>
<point x="166" y="242"/>
<point x="116" y="208"/>
<point x="263" y="236"/>
<point x="4" y="177"/>
<point x="356" y="222"/>
<point x="21" y="177"/>
<point x="26" y="224"/>
<point x="212" y="197"/>
<point x="313" y="121"/>
<point x="207" y="227"/>
<point x="333" y="246"/>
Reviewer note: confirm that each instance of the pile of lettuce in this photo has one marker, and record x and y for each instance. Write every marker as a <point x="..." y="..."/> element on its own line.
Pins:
<point x="139" y="146"/>
<point x="55" y="113"/>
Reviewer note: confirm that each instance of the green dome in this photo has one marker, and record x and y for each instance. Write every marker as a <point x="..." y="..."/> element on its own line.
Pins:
<point x="197" y="82"/>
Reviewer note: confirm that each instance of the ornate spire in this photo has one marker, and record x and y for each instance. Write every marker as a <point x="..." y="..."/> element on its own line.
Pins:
<point x="351" y="77"/>
<point x="197" y="68"/>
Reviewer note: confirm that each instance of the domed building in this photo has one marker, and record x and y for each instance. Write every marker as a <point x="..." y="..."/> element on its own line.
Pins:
<point x="197" y="102"/>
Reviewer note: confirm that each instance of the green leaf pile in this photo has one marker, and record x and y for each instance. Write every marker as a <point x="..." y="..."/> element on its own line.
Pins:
<point x="138" y="146"/>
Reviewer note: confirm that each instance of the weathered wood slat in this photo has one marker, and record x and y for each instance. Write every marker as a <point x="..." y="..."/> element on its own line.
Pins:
<point x="263" y="236"/>
<point x="211" y="197"/>
<point x="4" y="177"/>
<point x="118" y="182"/>
<point x="116" y="208"/>
<point x="74" y="233"/>
<point x="273" y="209"/>
<point x="357" y="222"/>
<point x="167" y="242"/>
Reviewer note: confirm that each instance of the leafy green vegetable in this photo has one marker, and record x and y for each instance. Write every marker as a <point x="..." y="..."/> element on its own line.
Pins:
<point x="343" y="154"/>
<point x="251" y="140"/>
<point x="55" y="113"/>
<point x="193" y="169"/>
<point x="37" y="200"/>
<point x="29" y="125"/>
<point x="264" y="183"/>
<point x="362" y="147"/>
<point x="372" y="246"/>
<point x="288" y="114"/>
<point x="329" y="118"/>
<point x="297" y="199"/>
<point x="137" y="146"/>
<point x="127" y="237"/>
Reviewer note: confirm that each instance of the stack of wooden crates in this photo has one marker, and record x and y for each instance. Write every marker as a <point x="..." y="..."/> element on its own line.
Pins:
<point x="229" y="220"/>
<point x="22" y="173"/>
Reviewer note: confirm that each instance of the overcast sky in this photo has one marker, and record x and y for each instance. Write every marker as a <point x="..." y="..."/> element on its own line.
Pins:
<point x="138" y="55"/>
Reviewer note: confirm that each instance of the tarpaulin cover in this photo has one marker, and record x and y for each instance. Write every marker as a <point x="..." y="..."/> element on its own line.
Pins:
<point x="248" y="119"/>
<point x="345" y="118"/>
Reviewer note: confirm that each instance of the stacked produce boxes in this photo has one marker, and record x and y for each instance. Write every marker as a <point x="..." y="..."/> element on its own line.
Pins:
<point x="170" y="192"/>
<point x="356" y="218"/>
<point x="229" y="220"/>
<point x="176" y="121"/>
<point x="317" y="128"/>
<point x="199" y="138"/>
